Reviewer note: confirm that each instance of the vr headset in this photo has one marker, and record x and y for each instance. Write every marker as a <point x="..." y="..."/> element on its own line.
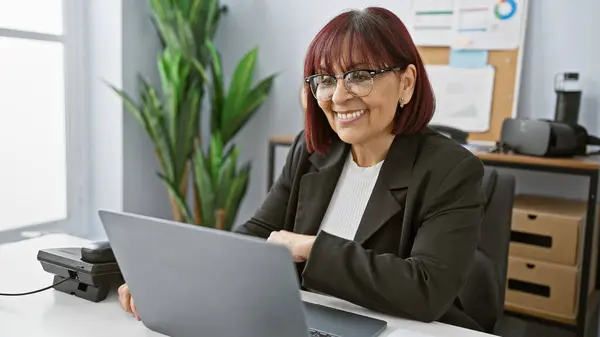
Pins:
<point x="544" y="138"/>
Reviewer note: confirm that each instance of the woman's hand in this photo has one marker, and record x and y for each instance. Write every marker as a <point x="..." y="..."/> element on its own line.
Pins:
<point x="127" y="301"/>
<point x="298" y="244"/>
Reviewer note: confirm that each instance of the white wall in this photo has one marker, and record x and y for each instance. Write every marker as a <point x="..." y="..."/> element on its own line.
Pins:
<point x="143" y="192"/>
<point x="561" y="36"/>
<point x="104" y="62"/>
<point x="121" y="45"/>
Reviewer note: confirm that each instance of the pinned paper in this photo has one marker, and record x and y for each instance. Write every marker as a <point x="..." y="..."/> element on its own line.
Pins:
<point x="468" y="58"/>
<point x="463" y="96"/>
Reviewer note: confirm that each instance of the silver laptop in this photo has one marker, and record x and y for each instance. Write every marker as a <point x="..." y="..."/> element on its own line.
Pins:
<point x="195" y="281"/>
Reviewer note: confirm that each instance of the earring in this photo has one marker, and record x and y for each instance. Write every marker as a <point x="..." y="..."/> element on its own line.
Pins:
<point x="401" y="102"/>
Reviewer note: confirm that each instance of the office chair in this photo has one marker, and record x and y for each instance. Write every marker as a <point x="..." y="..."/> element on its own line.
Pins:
<point x="458" y="135"/>
<point x="483" y="295"/>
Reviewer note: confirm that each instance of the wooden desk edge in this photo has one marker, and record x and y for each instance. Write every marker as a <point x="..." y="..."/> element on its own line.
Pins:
<point x="281" y="139"/>
<point x="587" y="164"/>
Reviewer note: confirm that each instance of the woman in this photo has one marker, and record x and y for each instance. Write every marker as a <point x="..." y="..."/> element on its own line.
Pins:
<point x="376" y="208"/>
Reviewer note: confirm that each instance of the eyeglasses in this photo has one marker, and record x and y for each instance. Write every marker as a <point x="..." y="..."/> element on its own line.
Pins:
<point x="358" y="82"/>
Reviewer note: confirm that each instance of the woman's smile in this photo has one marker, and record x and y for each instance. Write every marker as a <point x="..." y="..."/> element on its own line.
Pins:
<point x="349" y="116"/>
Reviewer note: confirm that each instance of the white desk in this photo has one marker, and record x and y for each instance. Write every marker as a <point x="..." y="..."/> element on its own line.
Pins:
<point x="55" y="314"/>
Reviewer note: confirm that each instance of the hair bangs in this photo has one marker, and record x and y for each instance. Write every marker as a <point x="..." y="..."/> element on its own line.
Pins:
<point x="347" y="45"/>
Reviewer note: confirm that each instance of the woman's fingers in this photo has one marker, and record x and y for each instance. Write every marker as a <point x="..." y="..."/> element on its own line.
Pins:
<point x="127" y="301"/>
<point x="133" y="309"/>
<point x="125" y="297"/>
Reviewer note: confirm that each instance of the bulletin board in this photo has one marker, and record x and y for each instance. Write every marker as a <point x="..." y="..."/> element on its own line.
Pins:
<point x="506" y="88"/>
<point x="507" y="75"/>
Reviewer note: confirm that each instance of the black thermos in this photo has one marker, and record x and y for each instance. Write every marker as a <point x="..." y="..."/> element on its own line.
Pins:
<point x="568" y="98"/>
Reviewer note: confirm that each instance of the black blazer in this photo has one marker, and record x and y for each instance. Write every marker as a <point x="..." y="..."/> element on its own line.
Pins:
<point x="417" y="237"/>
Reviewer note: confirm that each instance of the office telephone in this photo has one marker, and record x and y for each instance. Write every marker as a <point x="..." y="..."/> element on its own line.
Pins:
<point x="88" y="272"/>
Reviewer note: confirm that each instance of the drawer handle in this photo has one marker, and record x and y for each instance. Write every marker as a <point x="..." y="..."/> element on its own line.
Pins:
<point x="530" y="265"/>
<point x="538" y="240"/>
<point x="531" y="216"/>
<point x="529" y="288"/>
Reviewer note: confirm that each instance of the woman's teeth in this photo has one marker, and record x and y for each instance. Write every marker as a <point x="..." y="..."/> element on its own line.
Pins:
<point x="350" y="115"/>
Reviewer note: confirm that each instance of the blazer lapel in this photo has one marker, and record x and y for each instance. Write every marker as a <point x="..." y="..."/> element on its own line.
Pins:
<point x="395" y="176"/>
<point x="317" y="187"/>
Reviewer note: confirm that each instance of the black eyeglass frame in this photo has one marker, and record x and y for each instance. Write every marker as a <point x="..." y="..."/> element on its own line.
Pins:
<point x="371" y="72"/>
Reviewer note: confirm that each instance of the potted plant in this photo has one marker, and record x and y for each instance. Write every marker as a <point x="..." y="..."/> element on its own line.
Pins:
<point x="220" y="184"/>
<point x="190" y="65"/>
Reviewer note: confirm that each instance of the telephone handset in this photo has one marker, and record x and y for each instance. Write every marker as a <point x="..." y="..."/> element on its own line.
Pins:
<point x="98" y="252"/>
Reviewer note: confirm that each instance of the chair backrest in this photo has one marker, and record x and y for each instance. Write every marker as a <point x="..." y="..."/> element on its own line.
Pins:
<point x="458" y="135"/>
<point x="483" y="295"/>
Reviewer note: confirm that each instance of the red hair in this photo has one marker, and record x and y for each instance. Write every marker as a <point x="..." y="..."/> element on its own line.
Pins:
<point x="375" y="36"/>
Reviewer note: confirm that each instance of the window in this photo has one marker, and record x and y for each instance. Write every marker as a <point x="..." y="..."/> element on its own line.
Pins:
<point x="41" y="122"/>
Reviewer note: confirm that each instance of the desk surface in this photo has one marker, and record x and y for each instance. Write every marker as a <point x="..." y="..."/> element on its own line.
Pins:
<point x="55" y="314"/>
<point x="588" y="163"/>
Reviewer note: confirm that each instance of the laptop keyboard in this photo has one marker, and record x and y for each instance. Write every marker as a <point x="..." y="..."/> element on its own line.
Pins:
<point x="317" y="333"/>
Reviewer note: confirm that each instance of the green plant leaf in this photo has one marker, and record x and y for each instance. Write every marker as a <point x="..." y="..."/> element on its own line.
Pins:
<point x="131" y="106"/>
<point x="195" y="11"/>
<point x="226" y="176"/>
<point x="169" y="73"/>
<point x="185" y="212"/>
<point x="239" y="87"/>
<point x="216" y="156"/>
<point x="252" y="102"/>
<point x="163" y="18"/>
<point x="184" y="5"/>
<point x="182" y="104"/>
<point x="187" y="43"/>
<point x="187" y="128"/>
<point x="238" y="190"/>
<point x="204" y="186"/>
<point x="200" y="68"/>
<point x="211" y="17"/>
<point x="229" y="163"/>
<point x="258" y="94"/>
<point x="217" y="90"/>
<point x="153" y="111"/>
<point x="166" y="145"/>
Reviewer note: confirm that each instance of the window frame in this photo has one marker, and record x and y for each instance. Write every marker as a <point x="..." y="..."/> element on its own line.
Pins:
<point x="76" y="127"/>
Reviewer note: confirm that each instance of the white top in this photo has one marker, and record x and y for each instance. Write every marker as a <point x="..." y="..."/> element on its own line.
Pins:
<point x="350" y="199"/>
<point x="56" y="314"/>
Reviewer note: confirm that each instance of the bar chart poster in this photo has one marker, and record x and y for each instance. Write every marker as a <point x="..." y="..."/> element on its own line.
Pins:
<point x="488" y="24"/>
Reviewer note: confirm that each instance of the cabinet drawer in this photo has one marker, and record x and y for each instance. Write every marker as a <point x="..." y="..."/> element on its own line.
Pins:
<point x="546" y="288"/>
<point x="547" y="229"/>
